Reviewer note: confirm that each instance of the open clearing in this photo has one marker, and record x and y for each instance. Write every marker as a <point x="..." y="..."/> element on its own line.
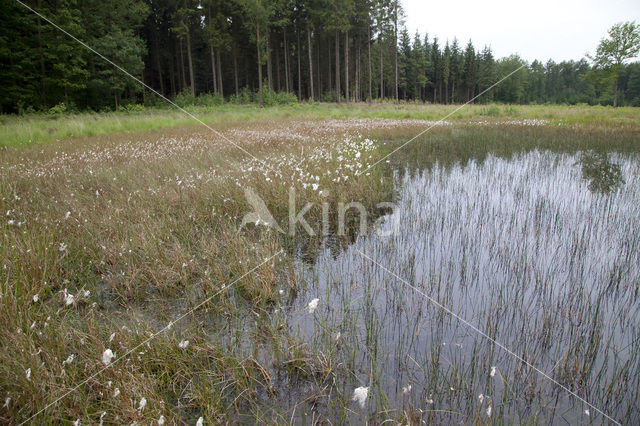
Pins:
<point x="522" y="221"/>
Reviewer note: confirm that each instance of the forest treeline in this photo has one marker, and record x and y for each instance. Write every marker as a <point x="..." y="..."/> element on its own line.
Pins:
<point x="261" y="51"/>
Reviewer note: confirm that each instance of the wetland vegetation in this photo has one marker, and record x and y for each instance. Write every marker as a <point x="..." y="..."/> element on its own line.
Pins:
<point x="129" y="293"/>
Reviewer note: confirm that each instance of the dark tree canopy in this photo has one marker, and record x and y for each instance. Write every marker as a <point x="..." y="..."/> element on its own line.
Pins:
<point x="269" y="50"/>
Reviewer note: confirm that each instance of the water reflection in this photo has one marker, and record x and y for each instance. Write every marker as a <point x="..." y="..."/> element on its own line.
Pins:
<point x="518" y="247"/>
<point x="603" y="175"/>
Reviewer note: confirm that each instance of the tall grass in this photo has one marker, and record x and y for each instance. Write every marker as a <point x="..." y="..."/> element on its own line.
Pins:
<point x="39" y="128"/>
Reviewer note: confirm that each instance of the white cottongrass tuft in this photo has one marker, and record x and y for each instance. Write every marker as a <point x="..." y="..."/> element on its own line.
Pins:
<point x="183" y="344"/>
<point x="360" y="395"/>
<point x="116" y="392"/>
<point x="66" y="216"/>
<point x="488" y="411"/>
<point x="161" y="420"/>
<point x="69" y="299"/>
<point x="313" y="305"/>
<point x="406" y="389"/>
<point x="493" y="371"/>
<point x="7" y="401"/>
<point x="107" y="356"/>
<point x="200" y="421"/>
<point x="142" y="404"/>
<point x="36" y="298"/>
<point x="587" y="412"/>
<point x="69" y="359"/>
<point x="28" y="374"/>
<point x="481" y="398"/>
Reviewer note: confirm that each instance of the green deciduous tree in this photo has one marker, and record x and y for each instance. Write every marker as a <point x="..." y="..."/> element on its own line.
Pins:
<point x="622" y="44"/>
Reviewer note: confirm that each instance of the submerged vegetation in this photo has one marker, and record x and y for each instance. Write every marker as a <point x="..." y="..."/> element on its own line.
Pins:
<point x="129" y="293"/>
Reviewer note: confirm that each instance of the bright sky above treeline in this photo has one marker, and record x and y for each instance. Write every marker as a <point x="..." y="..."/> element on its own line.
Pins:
<point x="556" y="29"/>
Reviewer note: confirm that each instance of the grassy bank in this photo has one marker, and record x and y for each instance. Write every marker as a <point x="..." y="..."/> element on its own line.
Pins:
<point x="18" y="131"/>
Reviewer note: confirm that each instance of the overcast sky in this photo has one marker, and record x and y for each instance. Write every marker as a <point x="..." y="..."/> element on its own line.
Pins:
<point x="542" y="29"/>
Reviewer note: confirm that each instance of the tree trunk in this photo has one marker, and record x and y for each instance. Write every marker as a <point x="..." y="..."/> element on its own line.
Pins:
<point x="329" y="67"/>
<point x="318" y="72"/>
<point x="299" y="67"/>
<point x="446" y="92"/>
<point x="159" y="65"/>
<point x="213" y="69"/>
<point x="286" y="61"/>
<point x="144" y="88"/>
<point x="370" y="69"/>
<point x="358" y="69"/>
<point x="235" y="68"/>
<point x="453" y="91"/>
<point x="43" y="90"/>
<point x="181" y="68"/>
<point x="338" y="94"/>
<point x="278" y="86"/>
<point x="615" y="91"/>
<point x="191" y="79"/>
<point x="395" y="50"/>
<point x="172" y="75"/>
<point x="310" y="62"/>
<point x="269" y="70"/>
<point x="259" y="64"/>
<point x="346" y="65"/>
<point x="219" y="63"/>
<point x="381" y="73"/>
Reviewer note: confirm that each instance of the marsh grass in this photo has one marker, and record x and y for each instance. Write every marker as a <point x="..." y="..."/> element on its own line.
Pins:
<point x="147" y="223"/>
<point x="40" y="128"/>
<point x="150" y="234"/>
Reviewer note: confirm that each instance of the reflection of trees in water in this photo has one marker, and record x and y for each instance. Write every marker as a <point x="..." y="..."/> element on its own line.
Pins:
<point x="603" y="175"/>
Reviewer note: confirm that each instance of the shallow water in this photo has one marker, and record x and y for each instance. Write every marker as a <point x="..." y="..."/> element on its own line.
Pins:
<point x="520" y="248"/>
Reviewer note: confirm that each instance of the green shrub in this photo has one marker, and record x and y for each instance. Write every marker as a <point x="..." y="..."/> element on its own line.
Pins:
<point x="131" y="108"/>
<point x="152" y="100"/>
<point x="279" y="98"/>
<point x="185" y="98"/>
<point x="58" y="110"/>
<point x="329" y="96"/>
<point x="209" y="99"/>
<point x="244" y="96"/>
